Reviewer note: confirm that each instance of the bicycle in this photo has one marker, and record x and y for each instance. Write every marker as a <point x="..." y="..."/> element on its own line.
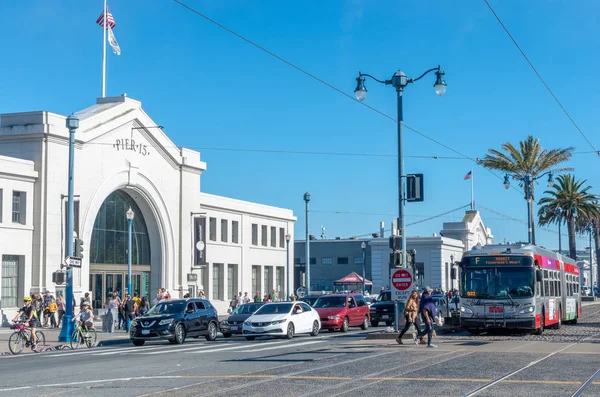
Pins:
<point x="20" y="339"/>
<point x="81" y="336"/>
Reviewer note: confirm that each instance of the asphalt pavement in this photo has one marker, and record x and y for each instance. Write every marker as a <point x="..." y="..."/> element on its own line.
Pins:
<point x="331" y="364"/>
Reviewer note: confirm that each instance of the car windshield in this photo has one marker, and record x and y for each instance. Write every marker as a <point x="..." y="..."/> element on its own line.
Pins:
<point x="497" y="282"/>
<point x="167" y="308"/>
<point x="310" y="300"/>
<point x="248" y="308"/>
<point x="274" y="309"/>
<point x="330" y="301"/>
<point x="384" y="296"/>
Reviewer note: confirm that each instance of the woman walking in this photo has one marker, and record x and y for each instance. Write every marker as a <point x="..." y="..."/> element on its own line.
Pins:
<point x="410" y="314"/>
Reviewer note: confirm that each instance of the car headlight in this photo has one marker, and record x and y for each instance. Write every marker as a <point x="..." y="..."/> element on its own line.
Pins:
<point x="527" y="309"/>
<point x="333" y="317"/>
<point x="278" y="322"/>
<point x="247" y="322"/>
<point x="166" y="321"/>
<point x="134" y="323"/>
<point x="466" y="310"/>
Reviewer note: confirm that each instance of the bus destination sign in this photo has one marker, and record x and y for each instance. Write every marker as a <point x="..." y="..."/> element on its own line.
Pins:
<point x="501" y="260"/>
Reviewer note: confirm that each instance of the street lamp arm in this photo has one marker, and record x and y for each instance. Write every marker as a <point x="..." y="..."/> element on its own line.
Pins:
<point x="424" y="74"/>
<point x="360" y="74"/>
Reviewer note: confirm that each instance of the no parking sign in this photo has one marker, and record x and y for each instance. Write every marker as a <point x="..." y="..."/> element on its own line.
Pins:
<point x="402" y="282"/>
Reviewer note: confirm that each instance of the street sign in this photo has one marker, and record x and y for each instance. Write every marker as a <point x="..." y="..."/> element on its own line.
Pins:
<point x="402" y="282"/>
<point x="71" y="261"/>
<point x="414" y="187"/>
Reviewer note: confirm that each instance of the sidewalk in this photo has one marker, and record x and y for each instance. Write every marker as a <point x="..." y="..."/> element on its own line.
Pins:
<point x="52" y="343"/>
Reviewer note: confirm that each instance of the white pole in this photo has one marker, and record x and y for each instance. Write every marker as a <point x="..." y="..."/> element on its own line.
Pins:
<point x="104" y="54"/>
<point x="472" y="190"/>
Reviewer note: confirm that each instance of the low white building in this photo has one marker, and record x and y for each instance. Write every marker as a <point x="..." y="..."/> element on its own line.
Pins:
<point x="122" y="160"/>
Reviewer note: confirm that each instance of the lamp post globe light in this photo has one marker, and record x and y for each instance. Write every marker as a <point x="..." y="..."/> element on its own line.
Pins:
<point x="528" y="181"/>
<point x="307" y="247"/>
<point x="288" y="237"/>
<point x="399" y="81"/>
<point x="363" y="246"/>
<point x="72" y="123"/>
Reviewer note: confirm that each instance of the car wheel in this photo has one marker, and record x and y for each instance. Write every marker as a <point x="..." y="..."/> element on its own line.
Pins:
<point x="374" y="323"/>
<point x="212" y="332"/>
<point x="315" y="329"/>
<point x="179" y="334"/>
<point x="290" y="331"/>
<point x="250" y="337"/>
<point x="226" y="335"/>
<point x="365" y="324"/>
<point x="138" y="342"/>
<point x="344" y="327"/>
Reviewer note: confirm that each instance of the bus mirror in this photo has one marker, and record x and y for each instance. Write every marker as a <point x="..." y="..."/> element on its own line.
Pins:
<point x="453" y="273"/>
<point x="539" y="276"/>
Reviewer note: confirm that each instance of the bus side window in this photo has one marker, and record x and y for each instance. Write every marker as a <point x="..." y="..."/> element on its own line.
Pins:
<point x="558" y="288"/>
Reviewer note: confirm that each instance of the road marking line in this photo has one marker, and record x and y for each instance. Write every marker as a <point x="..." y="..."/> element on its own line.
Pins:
<point x="281" y="347"/>
<point x="317" y="377"/>
<point x="191" y="350"/>
<point x="520" y="346"/>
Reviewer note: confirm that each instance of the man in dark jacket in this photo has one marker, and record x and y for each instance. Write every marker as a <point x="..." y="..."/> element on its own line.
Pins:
<point x="129" y="309"/>
<point x="428" y="310"/>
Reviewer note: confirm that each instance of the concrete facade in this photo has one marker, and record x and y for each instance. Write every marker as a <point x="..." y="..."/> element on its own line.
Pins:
<point x="119" y="148"/>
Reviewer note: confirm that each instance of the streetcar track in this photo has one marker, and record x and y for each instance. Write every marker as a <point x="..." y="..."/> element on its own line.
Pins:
<point x="586" y="384"/>
<point x="531" y="364"/>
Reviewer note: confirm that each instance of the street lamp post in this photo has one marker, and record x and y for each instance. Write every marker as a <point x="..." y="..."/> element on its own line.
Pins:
<point x="68" y="326"/>
<point x="307" y="247"/>
<point x="399" y="80"/>
<point x="528" y="181"/>
<point x="130" y="214"/>
<point x="363" y="245"/>
<point x="559" y="213"/>
<point x="287" y="257"/>
<point x="591" y="284"/>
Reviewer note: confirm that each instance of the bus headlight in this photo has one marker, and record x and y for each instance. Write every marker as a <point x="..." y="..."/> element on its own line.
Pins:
<point x="527" y="310"/>
<point x="466" y="310"/>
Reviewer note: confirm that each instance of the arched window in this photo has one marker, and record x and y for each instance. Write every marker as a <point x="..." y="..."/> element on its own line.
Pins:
<point x="109" y="236"/>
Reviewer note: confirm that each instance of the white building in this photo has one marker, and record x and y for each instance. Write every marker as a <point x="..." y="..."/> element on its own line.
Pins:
<point x="123" y="159"/>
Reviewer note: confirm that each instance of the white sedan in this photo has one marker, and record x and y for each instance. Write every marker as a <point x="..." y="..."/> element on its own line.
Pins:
<point x="284" y="319"/>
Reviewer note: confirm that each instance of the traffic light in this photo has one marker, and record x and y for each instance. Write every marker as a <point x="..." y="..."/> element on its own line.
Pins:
<point x="59" y="277"/>
<point x="410" y="257"/>
<point x="395" y="243"/>
<point x="78" y="251"/>
<point x="396" y="259"/>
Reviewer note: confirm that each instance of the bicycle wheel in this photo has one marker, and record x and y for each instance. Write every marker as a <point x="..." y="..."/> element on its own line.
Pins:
<point x="16" y="343"/>
<point x="40" y="339"/>
<point x="76" y="339"/>
<point x="90" y="340"/>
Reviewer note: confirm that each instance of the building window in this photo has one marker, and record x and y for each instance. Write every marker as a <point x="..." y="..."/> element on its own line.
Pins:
<point x="268" y="280"/>
<point x="18" y="207"/>
<point x="235" y="232"/>
<point x="279" y="278"/>
<point x="256" y="280"/>
<point x="232" y="280"/>
<point x="313" y="261"/>
<point x="212" y="229"/>
<point x="263" y="236"/>
<point x="282" y="237"/>
<point x="224" y="230"/>
<point x="254" y="234"/>
<point x="1" y="195"/>
<point x="217" y="281"/>
<point x="358" y="260"/>
<point x="297" y="261"/>
<point x="273" y="236"/>
<point x="342" y="260"/>
<point x="10" y="280"/>
<point x="325" y="261"/>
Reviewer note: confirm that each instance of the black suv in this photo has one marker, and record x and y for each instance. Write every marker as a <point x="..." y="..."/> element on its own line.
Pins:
<point x="233" y="324"/>
<point x="174" y="320"/>
<point x="383" y="309"/>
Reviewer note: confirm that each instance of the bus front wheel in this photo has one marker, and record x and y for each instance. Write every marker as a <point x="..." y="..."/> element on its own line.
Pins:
<point x="540" y="330"/>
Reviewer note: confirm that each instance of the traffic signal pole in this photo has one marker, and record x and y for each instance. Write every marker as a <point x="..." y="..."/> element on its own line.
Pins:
<point x="67" y="321"/>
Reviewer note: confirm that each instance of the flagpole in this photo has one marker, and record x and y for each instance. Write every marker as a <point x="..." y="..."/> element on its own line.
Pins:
<point x="472" y="190"/>
<point x="104" y="54"/>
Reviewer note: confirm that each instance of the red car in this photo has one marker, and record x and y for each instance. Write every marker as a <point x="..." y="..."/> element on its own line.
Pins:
<point x="341" y="311"/>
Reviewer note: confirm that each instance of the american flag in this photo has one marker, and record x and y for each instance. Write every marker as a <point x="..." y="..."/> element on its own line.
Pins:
<point x="469" y="175"/>
<point x="110" y="21"/>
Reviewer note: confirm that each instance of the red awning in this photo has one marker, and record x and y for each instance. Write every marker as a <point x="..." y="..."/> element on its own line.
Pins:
<point x="352" y="278"/>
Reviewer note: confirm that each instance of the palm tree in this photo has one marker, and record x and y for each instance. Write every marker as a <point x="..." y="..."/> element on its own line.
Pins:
<point x="578" y="207"/>
<point x="529" y="160"/>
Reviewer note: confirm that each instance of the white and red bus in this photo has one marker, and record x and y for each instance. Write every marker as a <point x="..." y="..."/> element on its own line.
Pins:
<point x="518" y="286"/>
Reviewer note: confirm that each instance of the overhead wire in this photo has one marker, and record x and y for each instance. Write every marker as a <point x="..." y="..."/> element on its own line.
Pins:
<point x="540" y="77"/>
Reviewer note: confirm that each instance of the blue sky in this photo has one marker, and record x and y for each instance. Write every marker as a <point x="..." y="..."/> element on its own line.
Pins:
<point x="212" y="90"/>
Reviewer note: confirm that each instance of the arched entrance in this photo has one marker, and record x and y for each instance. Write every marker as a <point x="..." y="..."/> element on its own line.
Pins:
<point x="108" y="249"/>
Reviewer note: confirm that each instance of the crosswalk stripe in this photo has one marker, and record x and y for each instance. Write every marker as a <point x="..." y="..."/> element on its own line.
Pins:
<point x="185" y="350"/>
<point x="281" y="347"/>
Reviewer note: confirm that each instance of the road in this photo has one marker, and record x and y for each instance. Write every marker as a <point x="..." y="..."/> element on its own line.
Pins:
<point x="331" y="364"/>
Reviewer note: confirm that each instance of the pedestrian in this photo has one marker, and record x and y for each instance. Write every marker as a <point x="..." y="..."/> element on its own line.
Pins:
<point x="112" y="308"/>
<point x="240" y="299"/>
<point x="246" y="298"/>
<point x="428" y="310"/>
<point x="410" y="314"/>
<point x="62" y="305"/>
<point x="129" y="307"/>
<point x="52" y="308"/>
<point x="232" y="304"/>
<point x="257" y="298"/>
<point x="144" y="306"/>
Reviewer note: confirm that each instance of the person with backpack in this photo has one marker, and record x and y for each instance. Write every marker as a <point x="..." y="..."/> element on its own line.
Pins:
<point x="428" y="310"/>
<point x="129" y="308"/>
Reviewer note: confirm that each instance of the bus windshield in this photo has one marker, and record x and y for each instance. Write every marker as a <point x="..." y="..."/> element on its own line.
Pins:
<point x="497" y="282"/>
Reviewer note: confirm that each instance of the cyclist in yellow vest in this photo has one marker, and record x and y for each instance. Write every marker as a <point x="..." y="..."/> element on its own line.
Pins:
<point x="31" y="319"/>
